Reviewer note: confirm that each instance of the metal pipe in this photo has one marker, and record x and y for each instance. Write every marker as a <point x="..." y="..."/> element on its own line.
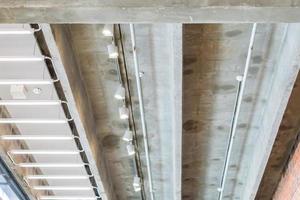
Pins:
<point x="137" y="170"/>
<point x="141" y="106"/>
<point x="237" y="107"/>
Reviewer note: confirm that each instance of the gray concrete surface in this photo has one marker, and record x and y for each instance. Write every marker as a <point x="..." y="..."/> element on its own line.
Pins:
<point x="159" y="50"/>
<point x="57" y="38"/>
<point x="286" y="140"/>
<point x="277" y="94"/>
<point x="213" y="56"/>
<point x="100" y="76"/>
<point x="160" y="58"/>
<point x="57" y="11"/>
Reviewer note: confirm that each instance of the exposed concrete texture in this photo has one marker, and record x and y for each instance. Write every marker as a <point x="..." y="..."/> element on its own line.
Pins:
<point x="209" y="90"/>
<point x="283" y="76"/>
<point x="54" y="11"/>
<point x="213" y="56"/>
<point x="100" y="77"/>
<point x="286" y="140"/>
<point x="57" y="38"/>
<point x="159" y="52"/>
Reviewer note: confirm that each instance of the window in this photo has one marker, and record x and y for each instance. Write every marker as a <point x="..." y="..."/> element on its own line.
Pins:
<point x="9" y="188"/>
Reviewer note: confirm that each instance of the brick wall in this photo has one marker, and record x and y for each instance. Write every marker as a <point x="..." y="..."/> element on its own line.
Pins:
<point x="289" y="185"/>
<point x="5" y="146"/>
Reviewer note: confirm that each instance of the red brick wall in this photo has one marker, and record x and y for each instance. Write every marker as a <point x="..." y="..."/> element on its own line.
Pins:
<point x="289" y="186"/>
<point x="5" y="146"/>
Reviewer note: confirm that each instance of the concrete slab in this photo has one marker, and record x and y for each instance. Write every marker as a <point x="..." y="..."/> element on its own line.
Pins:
<point x="213" y="56"/>
<point x="191" y="11"/>
<point x="159" y="50"/>
<point x="160" y="58"/>
<point x="66" y="66"/>
<point x="286" y="141"/>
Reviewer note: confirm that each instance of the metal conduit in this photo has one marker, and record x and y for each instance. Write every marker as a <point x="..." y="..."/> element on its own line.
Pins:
<point x="236" y="112"/>
<point x="141" y="106"/>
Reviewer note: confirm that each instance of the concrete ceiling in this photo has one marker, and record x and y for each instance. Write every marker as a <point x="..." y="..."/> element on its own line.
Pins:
<point x="209" y="87"/>
<point x="209" y="11"/>
<point x="100" y="76"/>
<point x="159" y="51"/>
<point x="213" y="55"/>
<point x="196" y="64"/>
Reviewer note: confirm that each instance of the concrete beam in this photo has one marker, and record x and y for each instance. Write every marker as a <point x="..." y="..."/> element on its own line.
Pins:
<point x="191" y="11"/>
<point x="70" y="78"/>
<point x="277" y="98"/>
<point x="177" y="60"/>
<point x="285" y="143"/>
<point x="159" y="51"/>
